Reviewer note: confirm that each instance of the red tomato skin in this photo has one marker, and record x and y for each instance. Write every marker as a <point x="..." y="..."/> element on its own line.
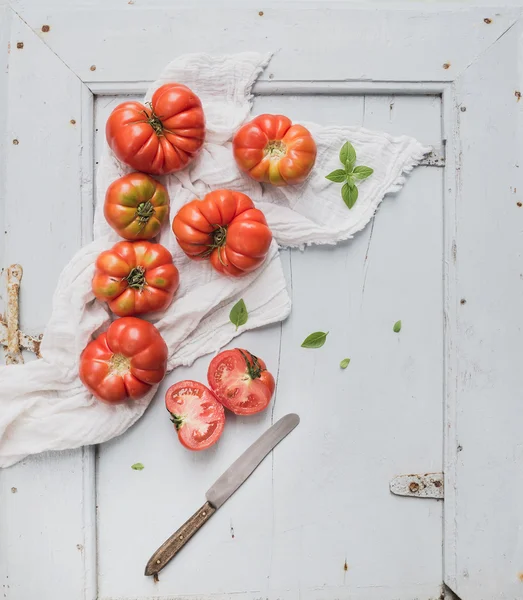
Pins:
<point x="241" y="389"/>
<point x="135" y="278"/>
<point x="123" y="363"/>
<point x="190" y="404"/>
<point x="270" y="149"/>
<point x="226" y="228"/>
<point x="136" y="206"/>
<point x="159" y="138"/>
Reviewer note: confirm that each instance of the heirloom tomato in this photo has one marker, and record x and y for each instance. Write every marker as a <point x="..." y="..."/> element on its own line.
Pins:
<point x="240" y="381"/>
<point x="162" y="136"/>
<point x="271" y="149"/>
<point x="135" y="278"/>
<point x="136" y="205"/>
<point x="226" y="228"/>
<point x="124" y="362"/>
<point x="197" y="416"/>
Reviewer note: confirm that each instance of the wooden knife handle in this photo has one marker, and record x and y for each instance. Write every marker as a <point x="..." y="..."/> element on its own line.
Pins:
<point x="178" y="540"/>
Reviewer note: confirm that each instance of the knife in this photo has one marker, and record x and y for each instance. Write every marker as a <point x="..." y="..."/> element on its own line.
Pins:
<point x="222" y="489"/>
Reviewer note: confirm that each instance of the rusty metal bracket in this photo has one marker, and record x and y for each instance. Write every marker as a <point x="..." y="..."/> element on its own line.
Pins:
<point x="10" y="336"/>
<point x="429" y="485"/>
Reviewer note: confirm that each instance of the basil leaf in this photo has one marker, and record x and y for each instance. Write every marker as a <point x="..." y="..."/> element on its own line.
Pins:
<point x="239" y="315"/>
<point x="315" y="340"/>
<point x="338" y="176"/>
<point x="345" y="363"/>
<point x="362" y="172"/>
<point x="137" y="467"/>
<point x="397" y="327"/>
<point x="347" y="154"/>
<point x="349" y="194"/>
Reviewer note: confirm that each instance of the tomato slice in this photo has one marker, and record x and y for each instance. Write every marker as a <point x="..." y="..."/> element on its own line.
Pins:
<point x="241" y="381"/>
<point x="197" y="416"/>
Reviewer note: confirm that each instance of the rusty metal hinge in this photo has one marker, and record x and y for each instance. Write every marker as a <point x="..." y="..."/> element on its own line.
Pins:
<point x="10" y="336"/>
<point x="429" y="485"/>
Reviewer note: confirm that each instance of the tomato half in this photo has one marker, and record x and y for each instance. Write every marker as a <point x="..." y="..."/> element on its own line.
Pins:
<point x="124" y="362"/>
<point x="135" y="278"/>
<point x="271" y="149"/>
<point x="198" y="417"/>
<point x="226" y="228"/>
<point x="135" y="206"/>
<point x="241" y="381"/>
<point x="161" y="137"/>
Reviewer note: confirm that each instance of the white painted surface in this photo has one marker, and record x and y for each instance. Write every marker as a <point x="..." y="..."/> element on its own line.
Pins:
<point x="323" y="497"/>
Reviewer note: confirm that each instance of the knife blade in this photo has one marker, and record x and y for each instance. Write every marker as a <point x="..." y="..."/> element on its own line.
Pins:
<point x="222" y="489"/>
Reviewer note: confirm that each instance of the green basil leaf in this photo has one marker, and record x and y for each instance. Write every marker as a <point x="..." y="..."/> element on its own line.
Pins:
<point x="338" y="176"/>
<point x="397" y="327"/>
<point x="345" y="363"/>
<point x="315" y="340"/>
<point x="137" y="467"/>
<point x="362" y="172"/>
<point x="347" y="154"/>
<point x="239" y="315"/>
<point x="349" y="194"/>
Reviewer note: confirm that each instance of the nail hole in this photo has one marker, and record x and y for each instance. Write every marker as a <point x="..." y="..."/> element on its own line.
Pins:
<point x="446" y="65"/>
<point x="463" y="301"/>
<point x="463" y="109"/>
<point x="92" y="67"/>
<point x="519" y="204"/>
<point x="16" y="142"/>
<point x="487" y="21"/>
<point x="261" y="13"/>
<point x="19" y="45"/>
<point x="72" y="121"/>
<point x="14" y="490"/>
<point x="158" y="561"/>
<point x="517" y="93"/>
<point x="45" y="28"/>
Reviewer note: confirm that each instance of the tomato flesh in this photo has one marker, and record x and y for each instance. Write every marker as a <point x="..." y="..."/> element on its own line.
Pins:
<point x="241" y="381"/>
<point x="198" y="417"/>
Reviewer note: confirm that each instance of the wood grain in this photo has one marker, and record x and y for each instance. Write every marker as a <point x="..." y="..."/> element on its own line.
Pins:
<point x="177" y="541"/>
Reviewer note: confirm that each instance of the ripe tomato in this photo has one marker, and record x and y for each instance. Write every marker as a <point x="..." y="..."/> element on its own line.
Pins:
<point x="135" y="278"/>
<point x="273" y="150"/>
<point x="226" y="228"/>
<point x="163" y="136"/>
<point x="136" y="205"/>
<point x="124" y="362"/>
<point x="197" y="416"/>
<point x="241" y="381"/>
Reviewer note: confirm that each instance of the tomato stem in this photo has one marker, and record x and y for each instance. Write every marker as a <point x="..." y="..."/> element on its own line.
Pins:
<point x="119" y="364"/>
<point x="144" y="211"/>
<point x="136" y="278"/>
<point x="177" y="420"/>
<point x="253" y="369"/>
<point x="275" y="148"/>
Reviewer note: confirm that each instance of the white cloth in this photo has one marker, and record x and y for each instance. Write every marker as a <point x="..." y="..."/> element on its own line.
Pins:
<point x="43" y="404"/>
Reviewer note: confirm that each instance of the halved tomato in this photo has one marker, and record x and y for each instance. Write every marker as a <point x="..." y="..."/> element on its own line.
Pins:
<point x="197" y="416"/>
<point x="241" y="381"/>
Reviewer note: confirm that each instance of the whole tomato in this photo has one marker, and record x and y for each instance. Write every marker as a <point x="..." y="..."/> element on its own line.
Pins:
<point x="135" y="278"/>
<point x="163" y="136"/>
<point x="197" y="416"/>
<point x="271" y="149"/>
<point x="124" y="362"/>
<point x="136" y="205"/>
<point x="240" y="381"/>
<point x="226" y="228"/>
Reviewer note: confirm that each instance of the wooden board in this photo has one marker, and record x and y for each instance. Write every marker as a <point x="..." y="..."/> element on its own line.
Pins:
<point x="443" y="75"/>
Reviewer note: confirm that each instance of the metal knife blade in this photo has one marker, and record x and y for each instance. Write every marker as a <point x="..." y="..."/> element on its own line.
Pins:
<point x="242" y="467"/>
<point x="221" y="490"/>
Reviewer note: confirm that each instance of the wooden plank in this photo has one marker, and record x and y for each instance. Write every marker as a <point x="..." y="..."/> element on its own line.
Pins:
<point x="323" y="498"/>
<point x="483" y="550"/>
<point x="419" y="44"/>
<point x="43" y="540"/>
